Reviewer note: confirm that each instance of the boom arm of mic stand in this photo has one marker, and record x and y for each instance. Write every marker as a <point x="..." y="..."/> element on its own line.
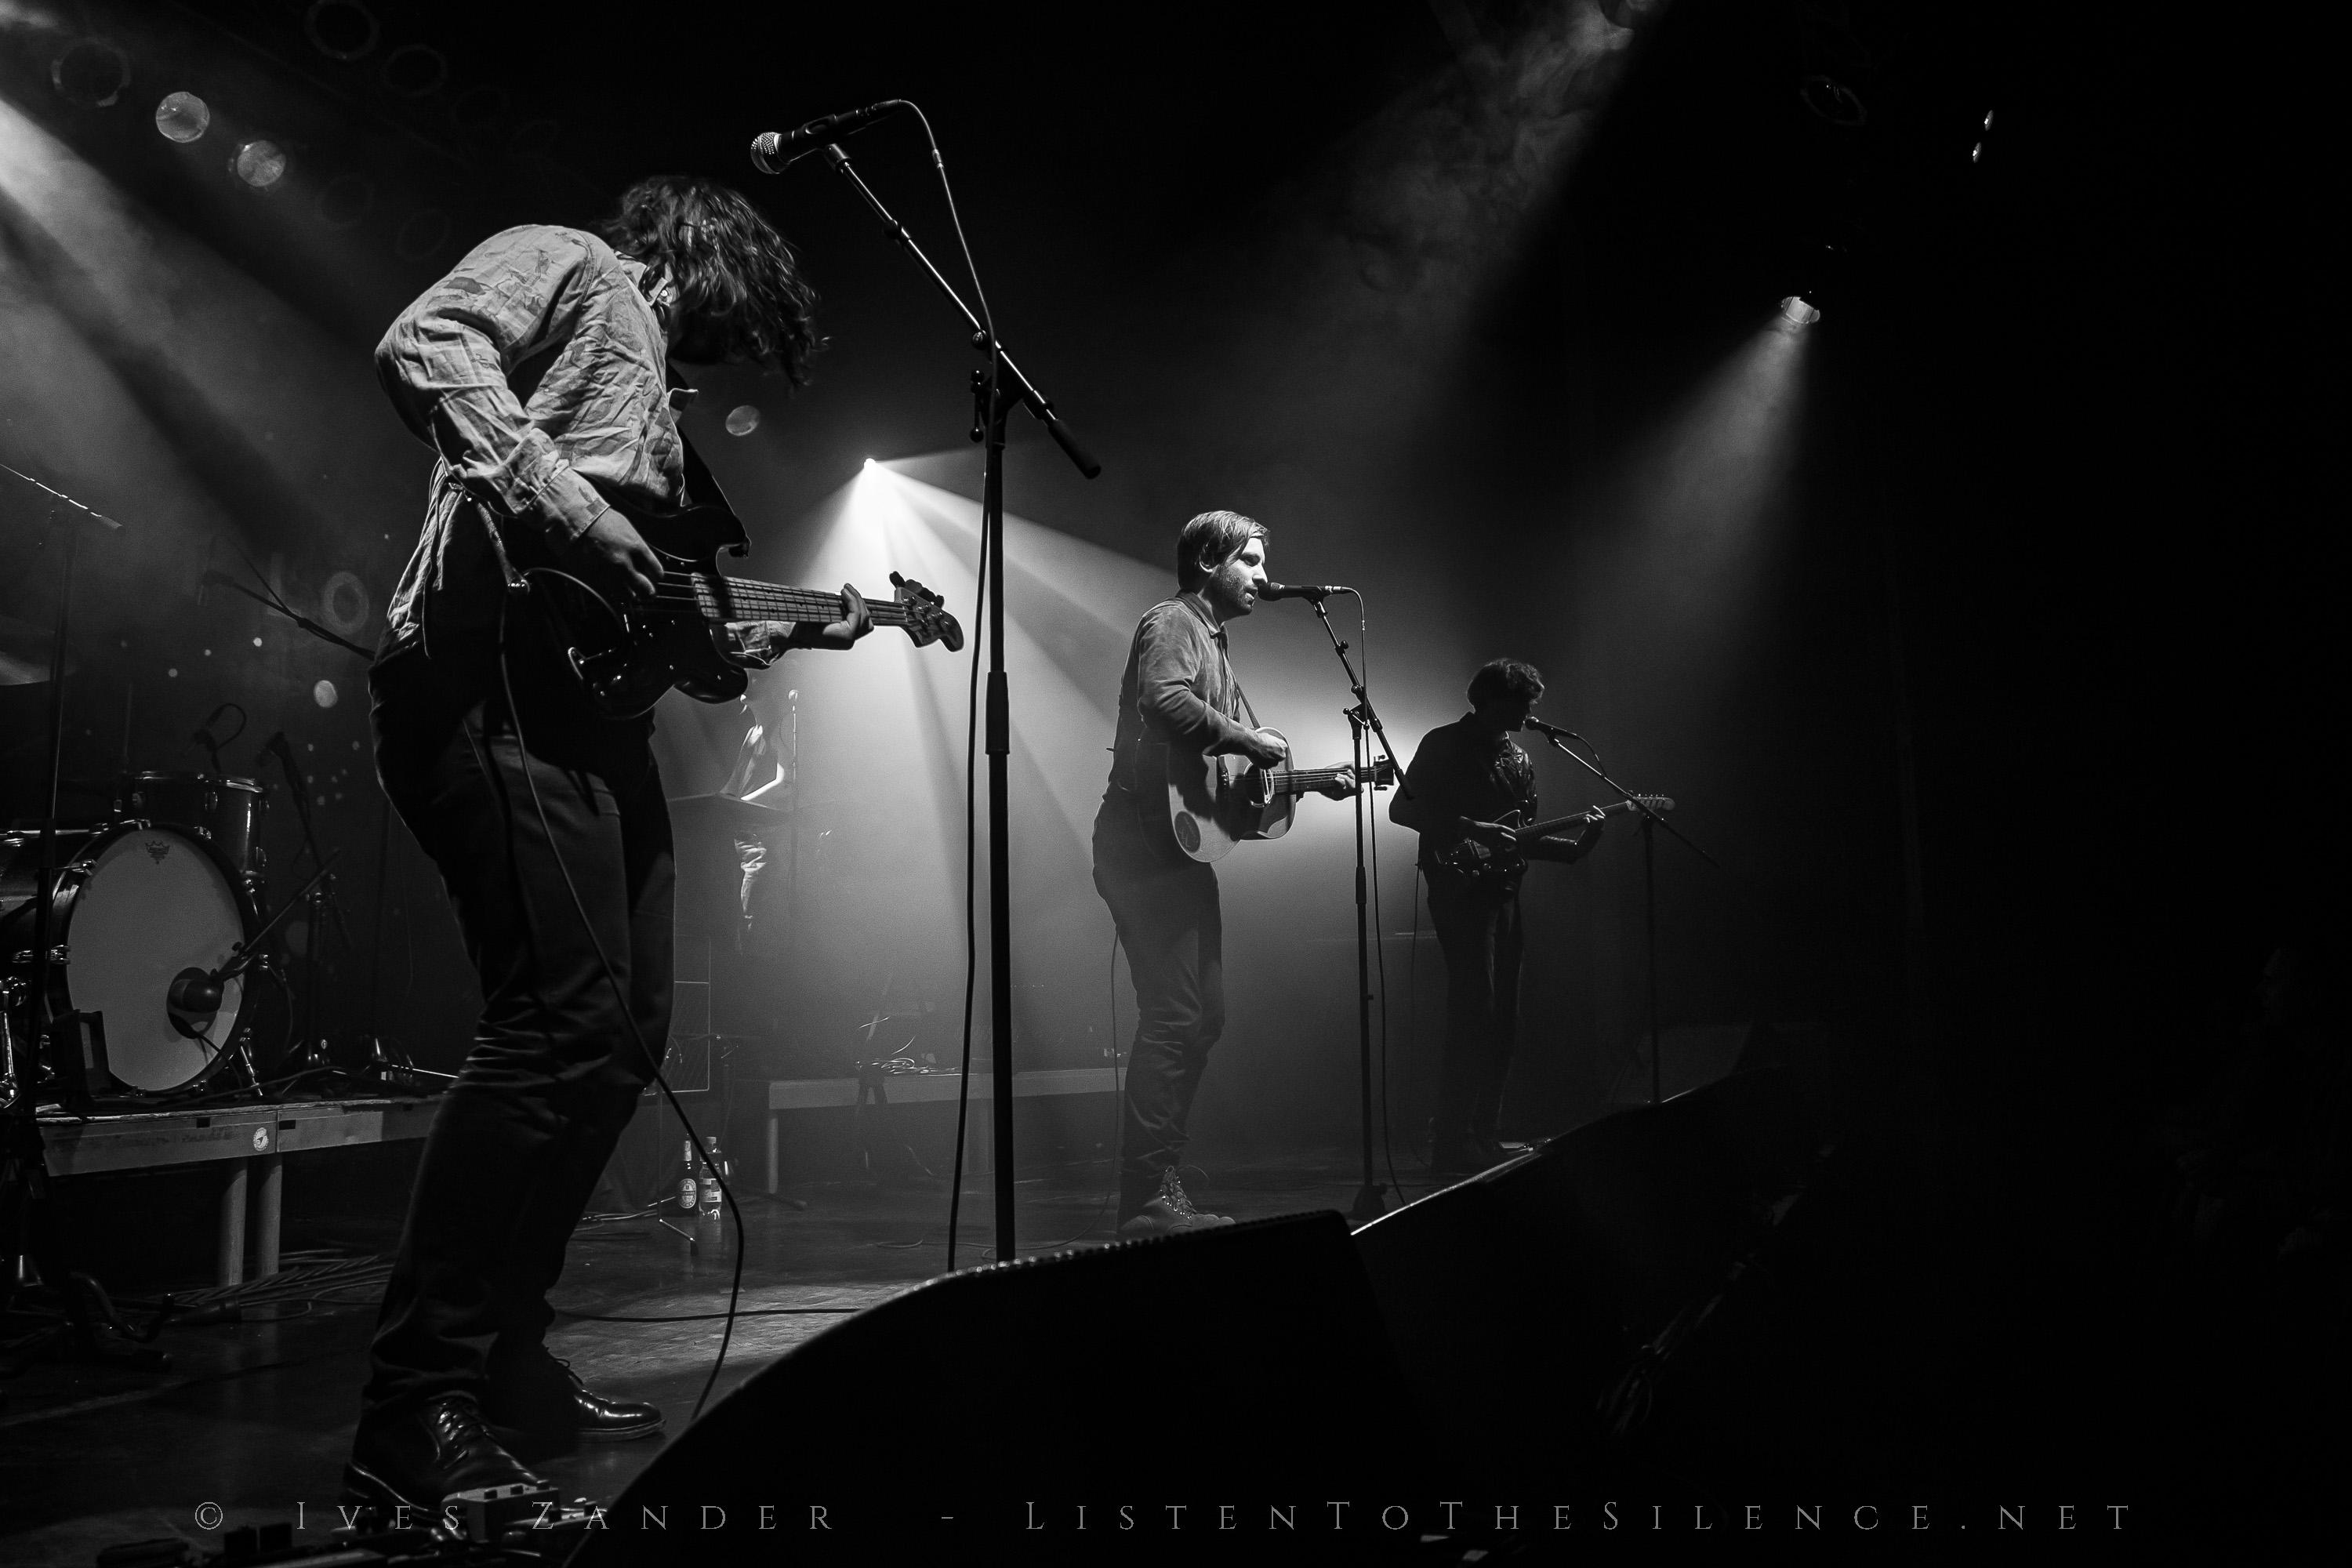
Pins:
<point x="1023" y="389"/>
<point x="1364" y="699"/>
<point x="1626" y="794"/>
<point x="305" y="622"/>
<point x="246" y="951"/>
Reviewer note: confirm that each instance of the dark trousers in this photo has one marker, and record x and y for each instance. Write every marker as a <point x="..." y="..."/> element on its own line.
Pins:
<point x="1479" y="932"/>
<point x="523" y="1136"/>
<point x="1173" y="931"/>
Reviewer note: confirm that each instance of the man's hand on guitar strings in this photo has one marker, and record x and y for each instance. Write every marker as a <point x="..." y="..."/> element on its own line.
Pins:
<point x="1341" y="787"/>
<point x="1493" y="835"/>
<point x="614" y="558"/>
<point x="843" y="633"/>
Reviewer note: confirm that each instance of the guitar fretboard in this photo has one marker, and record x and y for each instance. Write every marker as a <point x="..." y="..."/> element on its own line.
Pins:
<point x="717" y="598"/>
<point x="1299" y="781"/>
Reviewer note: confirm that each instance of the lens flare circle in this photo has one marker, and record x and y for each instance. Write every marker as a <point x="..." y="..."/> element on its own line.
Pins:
<point x="260" y="163"/>
<point x="742" y="419"/>
<point x="182" y="117"/>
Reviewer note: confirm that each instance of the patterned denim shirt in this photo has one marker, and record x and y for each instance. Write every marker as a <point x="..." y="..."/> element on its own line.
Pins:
<point x="536" y="369"/>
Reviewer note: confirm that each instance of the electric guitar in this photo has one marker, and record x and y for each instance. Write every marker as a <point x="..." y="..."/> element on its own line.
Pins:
<point x="1473" y="860"/>
<point x="625" y="658"/>
<point x="1214" y="803"/>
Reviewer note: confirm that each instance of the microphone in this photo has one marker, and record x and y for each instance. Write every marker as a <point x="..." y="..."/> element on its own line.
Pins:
<point x="773" y="152"/>
<point x="1554" y="731"/>
<point x="1316" y="592"/>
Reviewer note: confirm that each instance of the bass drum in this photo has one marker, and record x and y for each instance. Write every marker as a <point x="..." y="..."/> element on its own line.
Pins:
<point x="137" y="907"/>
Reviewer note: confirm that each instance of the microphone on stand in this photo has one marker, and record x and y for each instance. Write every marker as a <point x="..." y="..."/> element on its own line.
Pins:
<point x="1554" y="731"/>
<point x="1314" y="592"/>
<point x="774" y="152"/>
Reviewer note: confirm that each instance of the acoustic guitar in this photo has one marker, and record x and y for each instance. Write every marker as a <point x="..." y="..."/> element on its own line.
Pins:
<point x="1214" y="803"/>
<point x="626" y="656"/>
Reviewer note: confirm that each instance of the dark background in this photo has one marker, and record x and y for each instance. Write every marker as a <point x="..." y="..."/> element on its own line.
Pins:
<point x="1431" y="287"/>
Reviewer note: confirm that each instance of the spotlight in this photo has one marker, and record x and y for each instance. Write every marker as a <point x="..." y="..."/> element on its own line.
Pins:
<point x="259" y="164"/>
<point x="1796" y="312"/>
<point x="341" y="29"/>
<point x="182" y="117"/>
<point x="90" y="73"/>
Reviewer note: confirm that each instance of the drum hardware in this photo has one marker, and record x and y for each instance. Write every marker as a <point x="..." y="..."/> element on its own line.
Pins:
<point x="90" y="1331"/>
<point x="224" y="810"/>
<point x="135" y="907"/>
<point x="204" y="733"/>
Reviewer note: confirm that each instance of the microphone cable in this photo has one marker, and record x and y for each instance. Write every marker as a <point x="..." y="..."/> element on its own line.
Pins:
<point x="971" y="712"/>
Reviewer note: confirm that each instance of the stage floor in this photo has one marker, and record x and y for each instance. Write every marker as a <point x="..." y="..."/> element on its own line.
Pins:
<point x="256" y="1418"/>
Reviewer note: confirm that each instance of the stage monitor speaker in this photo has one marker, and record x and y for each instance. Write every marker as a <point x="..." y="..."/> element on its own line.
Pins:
<point x="1231" y="1365"/>
<point x="1533" y="1284"/>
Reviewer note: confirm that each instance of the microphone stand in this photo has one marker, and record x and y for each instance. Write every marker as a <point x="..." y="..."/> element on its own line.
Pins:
<point x="1650" y="821"/>
<point x="312" y="1047"/>
<point x="998" y="389"/>
<point x="1372" y="1199"/>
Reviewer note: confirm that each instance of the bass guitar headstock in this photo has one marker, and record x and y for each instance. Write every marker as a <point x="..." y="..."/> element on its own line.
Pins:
<point x="928" y="620"/>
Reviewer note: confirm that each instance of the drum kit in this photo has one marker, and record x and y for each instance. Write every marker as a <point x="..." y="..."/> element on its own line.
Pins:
<point x="155" y="928"/>
<point x="167" y="887"/>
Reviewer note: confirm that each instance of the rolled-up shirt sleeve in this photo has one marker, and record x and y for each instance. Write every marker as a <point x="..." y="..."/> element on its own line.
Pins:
<point x="1168" y="663"/>
<point x="446" y="361"/>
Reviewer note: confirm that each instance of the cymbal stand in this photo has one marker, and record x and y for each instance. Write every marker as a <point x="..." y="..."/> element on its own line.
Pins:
<point x="91" y="1330"/>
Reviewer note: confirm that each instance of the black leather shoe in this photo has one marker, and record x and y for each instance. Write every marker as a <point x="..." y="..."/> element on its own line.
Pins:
<point x="552" y="1409"/>
<point x="416" y="1459"/>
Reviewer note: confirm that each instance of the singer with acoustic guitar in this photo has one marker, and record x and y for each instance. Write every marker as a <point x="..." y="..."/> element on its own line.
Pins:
<point x="1468" y="785"/>
<point x="1170" y="810"/>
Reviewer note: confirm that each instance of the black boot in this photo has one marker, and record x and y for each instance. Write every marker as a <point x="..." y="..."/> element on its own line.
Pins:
<point x="416" y="1458"/>
<point x="538" y="1404"/>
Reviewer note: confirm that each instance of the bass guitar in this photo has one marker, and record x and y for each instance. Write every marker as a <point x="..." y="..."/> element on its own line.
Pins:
<point x="1214" y="803"/>
<point x="1478" y="862"/>
<point x="626" y="656"/>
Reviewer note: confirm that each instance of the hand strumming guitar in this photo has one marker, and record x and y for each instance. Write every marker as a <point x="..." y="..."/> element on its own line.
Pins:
<point x="1264" y="747"/>
<point x="612" y="556"/>
<point x="1493" y="835"/>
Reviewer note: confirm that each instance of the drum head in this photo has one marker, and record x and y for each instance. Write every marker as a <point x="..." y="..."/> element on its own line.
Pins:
<point x="152" y="903"/>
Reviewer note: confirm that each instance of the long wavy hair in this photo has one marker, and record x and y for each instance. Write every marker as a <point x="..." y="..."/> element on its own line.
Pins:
<point x="738" y="284"/>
